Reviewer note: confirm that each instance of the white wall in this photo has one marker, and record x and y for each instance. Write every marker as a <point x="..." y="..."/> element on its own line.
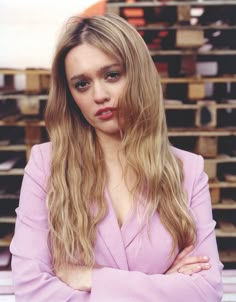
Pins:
<point x="29" y="30"/>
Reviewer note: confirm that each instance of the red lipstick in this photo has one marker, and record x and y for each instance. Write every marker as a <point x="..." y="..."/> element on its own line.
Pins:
<point x="105" y="113"/>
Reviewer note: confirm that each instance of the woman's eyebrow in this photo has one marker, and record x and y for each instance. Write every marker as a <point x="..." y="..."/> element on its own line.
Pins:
<point x="100" y="71"/>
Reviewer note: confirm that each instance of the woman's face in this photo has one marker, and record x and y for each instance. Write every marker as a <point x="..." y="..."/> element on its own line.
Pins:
<point x="96" y="82"/>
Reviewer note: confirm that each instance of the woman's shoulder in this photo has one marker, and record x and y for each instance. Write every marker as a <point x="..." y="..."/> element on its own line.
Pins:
<point x="45" y="148"/>
<point x="193" y="171"/>
<point x="39" y="162"/>
<point x="185" y="156"/>
<point x="193" y="165"/>
<point x="41" y="153"/>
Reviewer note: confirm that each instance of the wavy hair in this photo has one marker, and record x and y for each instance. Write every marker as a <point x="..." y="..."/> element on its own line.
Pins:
<point x="76" y="185"/>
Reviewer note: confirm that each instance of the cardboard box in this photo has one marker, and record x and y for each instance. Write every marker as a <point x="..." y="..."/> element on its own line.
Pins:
<point x="45" y="82"/>
<point x="207" y="68"/>
<point x="196" y="90"/>
<point x="215" y="195"/>
<point x="33" y="83"/>
<point x="210" y="168"/>
<point x="184" y="13"/>
<point x="207" y="146"/>
<point x="206" y="114"/>
<point x="186" y="38"/>
<point x="188" y="65"/>
<point x="29" y="105"/>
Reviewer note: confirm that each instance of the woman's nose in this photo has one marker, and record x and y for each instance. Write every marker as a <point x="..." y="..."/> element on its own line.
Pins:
<point x="101" y="94"/>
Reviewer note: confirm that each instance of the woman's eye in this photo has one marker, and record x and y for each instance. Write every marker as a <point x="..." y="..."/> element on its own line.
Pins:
<point x="81" y="85"/>
<point x="113" y="75"/>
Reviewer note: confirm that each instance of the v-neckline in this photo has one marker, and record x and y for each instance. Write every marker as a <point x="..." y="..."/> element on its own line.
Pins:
<point x="128" y="216"/>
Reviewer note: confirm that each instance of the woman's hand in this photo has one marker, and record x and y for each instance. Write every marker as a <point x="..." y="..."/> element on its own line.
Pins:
<point x="77" y="277"/>
<point x="188" y="265"/>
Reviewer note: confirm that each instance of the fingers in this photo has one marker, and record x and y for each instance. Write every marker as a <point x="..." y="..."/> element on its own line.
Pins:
<point x="189" y="264"/>
<point x="192" y="264"/>
<point x="193" y="260"/>
<point x="184" y="253"/>
<point x="193" y="268"/>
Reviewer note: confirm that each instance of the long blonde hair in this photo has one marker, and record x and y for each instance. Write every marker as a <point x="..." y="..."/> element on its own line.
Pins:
<point x="78" y="178"/>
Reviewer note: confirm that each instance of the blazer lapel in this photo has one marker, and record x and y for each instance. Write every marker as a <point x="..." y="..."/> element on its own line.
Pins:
<point x="133" y="225"/>
<point x="110" y="232"/>
<point x="131" y="228"/>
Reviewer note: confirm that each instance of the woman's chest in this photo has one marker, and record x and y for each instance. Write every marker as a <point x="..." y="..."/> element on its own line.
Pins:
<point x="121" y="200"/>
<point x="133" y="247"/>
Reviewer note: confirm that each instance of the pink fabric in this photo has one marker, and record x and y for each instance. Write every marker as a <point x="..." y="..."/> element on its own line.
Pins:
<point x="134" y="261"/>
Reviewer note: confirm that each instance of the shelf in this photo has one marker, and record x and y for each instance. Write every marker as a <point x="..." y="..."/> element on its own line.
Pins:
<point x="225" y="234"/>
<point x="188" y="27"/>
<point x="221" y="158"/>
<point x="7" y="219"/>
<point x="228" y="255"/>
<point x="23" y="123"/>
<point x="199" y="80"/>
<point x="222" y="184"/>
<point x="40" y="97"/>
<point x="170" y="3"/>
<point x="180" y="106"/>
<point x="221" y="206"/>
<point x="225" y="204"/>
<point x="217" y="52"/>
<point x="9" y="196"/>
<point x="196" y="106"/>
<point x="182" y="132"/>
<point x="16" y="171"/>
<point x="25" y="71"/>
<point x="5" y="241"/>
<point x="13" y="148"/>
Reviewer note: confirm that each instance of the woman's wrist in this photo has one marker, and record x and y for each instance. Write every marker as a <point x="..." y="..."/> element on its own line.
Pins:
<point x="85" y="276"/>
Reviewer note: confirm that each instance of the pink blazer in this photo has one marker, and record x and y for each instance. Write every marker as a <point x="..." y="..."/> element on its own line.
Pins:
<point x="134" y="264"/>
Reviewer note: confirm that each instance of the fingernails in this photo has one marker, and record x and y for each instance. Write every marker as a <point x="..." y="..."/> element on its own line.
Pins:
<point x="205" y="258"/>
<point x="206" y="265"/>
<point x="180" y="270"/>
<point x="196" y="269"/>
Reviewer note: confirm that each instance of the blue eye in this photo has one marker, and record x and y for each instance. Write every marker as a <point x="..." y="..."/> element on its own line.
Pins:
<point x="113" y="75"/>
<point x="81" y="85"/>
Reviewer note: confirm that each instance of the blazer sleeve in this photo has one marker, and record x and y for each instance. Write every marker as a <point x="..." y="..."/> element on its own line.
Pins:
<point x="33" y="278"/>
<point x="205" y="286"/>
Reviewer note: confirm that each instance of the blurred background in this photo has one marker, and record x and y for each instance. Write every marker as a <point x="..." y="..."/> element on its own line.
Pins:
<point x="28" y="30"/>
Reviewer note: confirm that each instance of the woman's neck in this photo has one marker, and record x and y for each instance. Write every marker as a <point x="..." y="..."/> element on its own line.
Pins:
<point x="110" y="145"/>
<point x="115" y="162"/>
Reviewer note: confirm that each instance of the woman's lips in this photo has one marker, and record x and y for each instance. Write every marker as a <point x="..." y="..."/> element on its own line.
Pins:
<point x="105" y="113"/>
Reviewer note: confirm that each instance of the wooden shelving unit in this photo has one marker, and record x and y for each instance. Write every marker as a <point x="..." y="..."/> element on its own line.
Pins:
<point x="21" y="126"/>
<point x="6" y="240"/>
<point x="198" y="79"/>
<point x="199" y="121"/>
<point x="156" y="3"/>
<point x="23" y="123"/>
<point x="228" y="256"/>
<point x="34" y="71"/>
<point x="7" y="219"/>
<point x="12" y="172"/>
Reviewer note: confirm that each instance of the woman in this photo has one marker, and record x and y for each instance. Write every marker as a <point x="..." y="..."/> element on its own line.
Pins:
<point x="109" y="211"/>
